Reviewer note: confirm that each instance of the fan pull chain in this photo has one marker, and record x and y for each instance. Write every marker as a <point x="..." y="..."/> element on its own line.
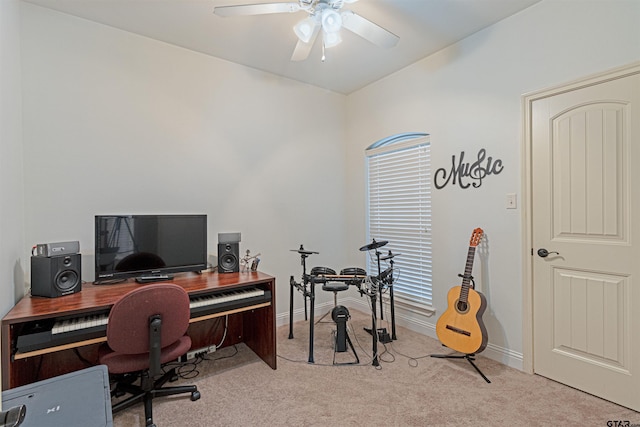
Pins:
<point x="323" y="56"/>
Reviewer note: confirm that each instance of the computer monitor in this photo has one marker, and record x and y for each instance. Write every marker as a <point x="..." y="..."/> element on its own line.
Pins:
<point x="149" y="247"/>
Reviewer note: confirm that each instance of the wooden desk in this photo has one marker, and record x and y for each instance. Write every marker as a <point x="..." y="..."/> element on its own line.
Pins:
<point x="253" y="325"/>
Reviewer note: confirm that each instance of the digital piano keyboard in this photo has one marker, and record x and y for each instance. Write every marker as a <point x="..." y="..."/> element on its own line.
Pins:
<point x="61" y="331"/>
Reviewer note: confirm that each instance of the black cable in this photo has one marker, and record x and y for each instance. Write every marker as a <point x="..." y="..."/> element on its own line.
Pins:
<point x="187" y="371"/>
<point x="235" y="347"/>
<point x="306" y="362"/>
<point x="82" y="358"/>
<point x="184" y="370"/>
<point x="386" y="351"/>
<point x="39" y="367"/>
<point x="411" y="361"/>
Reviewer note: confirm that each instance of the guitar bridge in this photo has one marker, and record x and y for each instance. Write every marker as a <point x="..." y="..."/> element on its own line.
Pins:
<point x="458" y="330"/>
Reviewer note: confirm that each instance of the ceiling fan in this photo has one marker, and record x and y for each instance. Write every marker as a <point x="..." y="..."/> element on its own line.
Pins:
<point x="325" y="16"/>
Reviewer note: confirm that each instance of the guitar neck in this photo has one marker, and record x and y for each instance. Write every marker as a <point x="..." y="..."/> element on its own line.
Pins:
<point x="466" y="278"/>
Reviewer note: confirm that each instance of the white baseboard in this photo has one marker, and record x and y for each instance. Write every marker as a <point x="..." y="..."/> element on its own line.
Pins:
<point x="298" y="313"/>
<point x="410" y="320"/>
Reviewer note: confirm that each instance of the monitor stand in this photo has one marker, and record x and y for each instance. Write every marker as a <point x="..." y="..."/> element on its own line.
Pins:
<point x="153" y="278"/>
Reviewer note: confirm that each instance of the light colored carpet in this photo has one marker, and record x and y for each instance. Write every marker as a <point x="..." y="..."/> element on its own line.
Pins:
<point x="409" y="388"/>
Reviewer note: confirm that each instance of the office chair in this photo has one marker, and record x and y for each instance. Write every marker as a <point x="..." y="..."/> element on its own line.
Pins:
<point x="13" y="417"/>
<point x="147" y="328"/>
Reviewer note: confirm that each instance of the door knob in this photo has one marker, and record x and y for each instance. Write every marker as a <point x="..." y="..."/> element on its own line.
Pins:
<point x="543" y="253"/>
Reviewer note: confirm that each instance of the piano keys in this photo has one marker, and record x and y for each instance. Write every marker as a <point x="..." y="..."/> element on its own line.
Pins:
<point x="76" y="323"/>
<point x="54" y="332"/>
<point x="212" y="303"/>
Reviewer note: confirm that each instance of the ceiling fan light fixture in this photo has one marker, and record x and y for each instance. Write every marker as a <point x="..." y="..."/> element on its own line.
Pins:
<point x="331" y="21"/>
<point x="325" y="15"/>
<point x="331" y="39"/>
<point x="304" y="29"/>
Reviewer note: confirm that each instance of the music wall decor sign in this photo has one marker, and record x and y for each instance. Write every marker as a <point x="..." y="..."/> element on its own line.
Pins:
<point x="468" y="174"/>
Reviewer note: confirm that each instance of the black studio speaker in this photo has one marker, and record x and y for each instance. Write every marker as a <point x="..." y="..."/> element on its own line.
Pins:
<point x="228" y="257"/>
<point x="55" y="276"/>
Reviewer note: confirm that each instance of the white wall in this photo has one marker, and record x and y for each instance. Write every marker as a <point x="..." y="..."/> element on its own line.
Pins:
<point x="11" y="182"/>
<point x="468" y="97"/>
<point x="118" y="123"/>
<point x="11" y="176"/>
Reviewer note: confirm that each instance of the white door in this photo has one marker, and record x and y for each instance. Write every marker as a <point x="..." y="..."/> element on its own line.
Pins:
<point x="585" y="188"/>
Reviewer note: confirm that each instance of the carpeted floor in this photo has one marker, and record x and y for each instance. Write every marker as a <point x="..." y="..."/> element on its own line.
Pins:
<point x="408" y="388"/>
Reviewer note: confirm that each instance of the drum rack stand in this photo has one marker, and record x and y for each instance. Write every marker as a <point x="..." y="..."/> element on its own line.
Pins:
<point x="307" y="288"/>
<point x="374" y="335"/>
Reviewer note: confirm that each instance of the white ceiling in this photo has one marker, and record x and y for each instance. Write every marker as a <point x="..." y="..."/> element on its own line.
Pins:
<point x="266" y="42"/>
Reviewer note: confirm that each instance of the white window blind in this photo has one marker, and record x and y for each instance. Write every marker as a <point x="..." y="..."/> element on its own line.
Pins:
<point x="399" y="211"/>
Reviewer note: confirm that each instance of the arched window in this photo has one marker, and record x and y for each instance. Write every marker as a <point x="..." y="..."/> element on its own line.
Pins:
<point x="399" y="211"/>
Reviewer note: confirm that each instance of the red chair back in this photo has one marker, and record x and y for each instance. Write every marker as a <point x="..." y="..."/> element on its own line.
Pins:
<point x="128" y="327"/>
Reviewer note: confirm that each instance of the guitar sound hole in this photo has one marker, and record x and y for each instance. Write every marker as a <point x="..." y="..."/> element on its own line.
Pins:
<point x="462" y="306"/>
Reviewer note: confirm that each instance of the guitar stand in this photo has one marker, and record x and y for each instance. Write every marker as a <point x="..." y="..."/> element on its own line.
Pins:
<point x="470" y="358"/>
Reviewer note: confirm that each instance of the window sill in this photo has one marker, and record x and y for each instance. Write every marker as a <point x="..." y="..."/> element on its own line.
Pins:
<point x="411" y="306"/>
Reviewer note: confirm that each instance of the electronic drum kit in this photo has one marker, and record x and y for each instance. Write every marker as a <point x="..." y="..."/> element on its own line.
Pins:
<point x="372" y="286"/>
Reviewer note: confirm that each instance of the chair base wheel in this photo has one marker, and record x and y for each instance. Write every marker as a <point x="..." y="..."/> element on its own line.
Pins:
<point x="195" y="396"/>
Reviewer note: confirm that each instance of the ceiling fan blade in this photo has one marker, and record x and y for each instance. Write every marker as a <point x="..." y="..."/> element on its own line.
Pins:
<point x="302" y="50"/>
<point x="368" y="30"/>
<point x="256" y="9"/>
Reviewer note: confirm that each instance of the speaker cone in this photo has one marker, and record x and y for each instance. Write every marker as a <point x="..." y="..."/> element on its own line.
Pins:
<point x="229" y="261"/>
<point x="66" y="280"/>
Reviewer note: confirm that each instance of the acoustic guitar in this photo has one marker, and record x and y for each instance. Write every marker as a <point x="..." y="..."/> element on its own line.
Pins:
<point x="460" y="327"/>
